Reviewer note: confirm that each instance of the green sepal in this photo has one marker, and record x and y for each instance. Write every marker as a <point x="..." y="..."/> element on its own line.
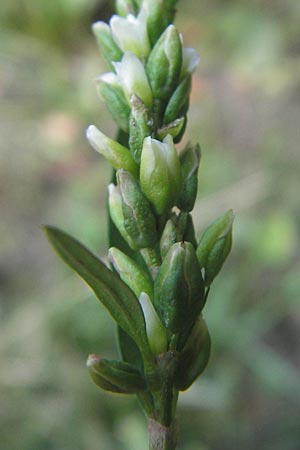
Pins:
<point x="215" y="245"/>
<point x="194" y="357"/>
<point x="112" y="292"/>
<point x="189" y="164"/>
<point x="164" y="64"/>
<point x="116" y="103"/>
<point x="108" y="48"/>
<point x="179" y="288"/>
<point x="179" y="101"/>
<point x="115" y="376"/>
<point x="174" y="129"/>
<point x="139" y="220"/>
<point x="139" y="125"/>
<point x="131" y="273"/>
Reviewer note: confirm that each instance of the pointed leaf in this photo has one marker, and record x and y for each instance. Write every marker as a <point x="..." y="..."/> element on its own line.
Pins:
<point x="113" y="293"/>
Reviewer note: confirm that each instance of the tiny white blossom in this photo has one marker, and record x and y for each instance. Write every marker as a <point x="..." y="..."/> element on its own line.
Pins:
<point x="190" y="61"/>
<point x="109" y="78"/>
<point x="130" y="33"/>
<point x="132" y="77"/>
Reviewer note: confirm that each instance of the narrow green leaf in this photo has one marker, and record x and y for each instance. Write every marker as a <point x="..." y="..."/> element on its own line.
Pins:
<point x="113" y="293"/>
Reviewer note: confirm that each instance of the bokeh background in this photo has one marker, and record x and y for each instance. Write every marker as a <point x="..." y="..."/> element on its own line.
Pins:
<point x="245" y="112"/>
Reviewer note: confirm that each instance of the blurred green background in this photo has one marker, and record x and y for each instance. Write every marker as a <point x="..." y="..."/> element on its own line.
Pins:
<point x="245" y="112"/>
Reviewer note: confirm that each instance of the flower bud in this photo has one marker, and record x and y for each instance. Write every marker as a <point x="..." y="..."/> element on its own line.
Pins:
<point x="130" y="33"/>
<point x="179" y="288"/>
<point x="133" y="78"/>
<point x="139" y="127"/>
<point x="139" y="220"/>
<point x="215" y="245"/>
<point x="108" y="47"/>
<point x="115" y="376"/>
<point x="168" y="238"/>
<point x="116" y="213"/>
<point x="115" y="153"/>
<point x="164" y="64"/>
<point x="189" y="163"/>
<point x="131" y="273"/>
<point x="156" y="332"/>
<point x="160" y="173"/>
<point x="194" y="357"/>
<point x="125" y="7"/>
<point x="189" y="231"/>
<point x="115" y="100"/>
<point x="158" y="18"/>
<point x="174" y="129"/>
<point x="178" y="103"/>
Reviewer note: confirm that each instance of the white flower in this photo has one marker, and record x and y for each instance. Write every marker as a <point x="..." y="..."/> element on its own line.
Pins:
<point x="132" y="77"/>
<point x="190" y="61"/>
<point x="109" y="78"/>
<point x="130" y="33"/>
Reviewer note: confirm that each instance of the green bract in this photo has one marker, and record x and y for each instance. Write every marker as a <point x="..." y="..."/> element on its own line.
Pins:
<point x="179" y="288"/>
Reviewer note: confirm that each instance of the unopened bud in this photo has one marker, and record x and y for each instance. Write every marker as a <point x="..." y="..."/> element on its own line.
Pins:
<point x="194" y="357"/>
<point x="178" y="103"/>
<point x="179" y="288"/>
<point x="116" y="213"/>
<point x="164" y="64"/>
<point x="139" y="127"/>
<point x="189" y="233"/>
<point x="131" y="273"/>
<point x="158" y="18"/>
<point x="156" y="332"/>
<point x="174" y="129"/>
<point x="160" y="173"/>
<point x="115" y="153"/>
<point x="189" y="163"/>
<point x="139" y="220"/>
<point x="125" y="7"/>
<point x="115" y="376"/>
<point x="108" y="47"/>
<point x="215" y="245"/>
<point x="168" y="238"/>
<point x="116" y="102"/>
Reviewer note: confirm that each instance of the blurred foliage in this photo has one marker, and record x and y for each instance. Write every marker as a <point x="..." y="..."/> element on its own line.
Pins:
<point x="245" y="112"/>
